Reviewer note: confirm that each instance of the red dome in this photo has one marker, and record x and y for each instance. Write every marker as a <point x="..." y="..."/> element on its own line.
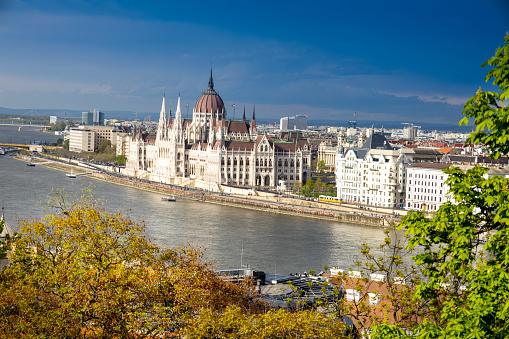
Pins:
<point x="210" y="101"/>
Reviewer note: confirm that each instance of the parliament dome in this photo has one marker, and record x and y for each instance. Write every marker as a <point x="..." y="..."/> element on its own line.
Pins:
<point x="209" y="101"/>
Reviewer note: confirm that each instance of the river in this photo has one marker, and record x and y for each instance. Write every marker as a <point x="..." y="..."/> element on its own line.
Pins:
<point x="274" y="243"/>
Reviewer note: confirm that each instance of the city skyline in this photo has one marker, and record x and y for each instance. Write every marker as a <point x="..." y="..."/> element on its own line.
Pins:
<point x="386" y="61"/>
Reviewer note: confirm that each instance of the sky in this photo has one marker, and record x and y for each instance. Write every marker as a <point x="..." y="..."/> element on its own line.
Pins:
<point x="414" y="61"/>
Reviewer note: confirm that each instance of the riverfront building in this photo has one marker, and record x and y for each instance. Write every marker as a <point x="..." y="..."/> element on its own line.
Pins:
<point x="375" y="174"/>
<point x="88" y="138"/>
<point x="426" y="189"/>
<point x="209" y="150"/>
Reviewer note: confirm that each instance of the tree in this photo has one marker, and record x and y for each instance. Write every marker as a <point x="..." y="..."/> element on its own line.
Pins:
<point x="297" y="187"/>
<point x="386" y="278"/>
<point x="489" y="109"/>
<point x="320" y="166"/>
<point x="84" y="272"/>
<point x="319" y="186"/>
<point x="468" y="280"/>
<point x="121" y="159"/>
<point x="307" y="189"/>
<point x="103" y="146"/>
<point x="3" y="245"/>
<point x="233" y="323"/>
<point x="66" y="144"/>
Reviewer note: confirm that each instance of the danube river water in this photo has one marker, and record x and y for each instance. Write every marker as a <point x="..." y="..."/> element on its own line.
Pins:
<point x="230" y="236"/>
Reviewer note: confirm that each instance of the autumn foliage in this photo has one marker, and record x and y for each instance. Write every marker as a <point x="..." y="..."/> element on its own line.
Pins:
<point x="83" y="272"/>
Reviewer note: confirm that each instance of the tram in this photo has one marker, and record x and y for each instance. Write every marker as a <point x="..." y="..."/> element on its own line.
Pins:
<point x="326" y="198"/>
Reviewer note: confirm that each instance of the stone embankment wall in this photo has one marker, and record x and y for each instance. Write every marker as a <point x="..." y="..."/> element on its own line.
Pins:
<point x="284" y="206"/>
<point x="295" y="209"/>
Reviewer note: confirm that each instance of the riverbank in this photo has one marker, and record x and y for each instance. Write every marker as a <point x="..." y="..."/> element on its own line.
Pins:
<point x="297" y="207"/>
<point x="285" y="206"/>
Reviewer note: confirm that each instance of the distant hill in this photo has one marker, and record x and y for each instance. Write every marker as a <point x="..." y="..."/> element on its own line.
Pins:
<point x="40" y="112"/>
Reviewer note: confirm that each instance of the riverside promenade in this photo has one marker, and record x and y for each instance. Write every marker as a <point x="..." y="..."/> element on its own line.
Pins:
<point x="348" y="213"/>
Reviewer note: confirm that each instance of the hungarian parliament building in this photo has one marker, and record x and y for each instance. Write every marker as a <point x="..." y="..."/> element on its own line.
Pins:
<point x="210" y="151"/>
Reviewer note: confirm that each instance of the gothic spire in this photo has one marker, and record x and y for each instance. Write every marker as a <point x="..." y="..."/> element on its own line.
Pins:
<point x="162" y="116"/>
<point x="211" y="82"/>
<point x="178" y="113"/>
<point x="253" y="122"/>
<point x="244" y="115"/>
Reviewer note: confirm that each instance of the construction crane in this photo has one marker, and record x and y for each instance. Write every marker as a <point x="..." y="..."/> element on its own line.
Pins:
<point x="136" y="114"/>
<point x="273" y="125"/>
<point x="147" y="118"/>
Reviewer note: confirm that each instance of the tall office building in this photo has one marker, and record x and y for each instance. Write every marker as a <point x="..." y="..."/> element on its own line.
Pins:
<point x="410" y="132"/>
<point x="301" y="122"/>
<point x="92" y="117"/>
<point x="289" y="123"/>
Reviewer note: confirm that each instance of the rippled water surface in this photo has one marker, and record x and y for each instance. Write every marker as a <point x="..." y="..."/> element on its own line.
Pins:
<point x="266" y="241"/>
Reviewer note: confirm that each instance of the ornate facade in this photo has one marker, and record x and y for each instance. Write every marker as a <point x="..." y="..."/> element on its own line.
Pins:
<point x="209" y="150"/>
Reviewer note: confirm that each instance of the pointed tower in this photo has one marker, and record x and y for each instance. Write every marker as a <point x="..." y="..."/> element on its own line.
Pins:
<point x="161" y="128"/>
<point x="162" y="115"/>
<point x="169" y="118"/>
<point x="178" y="123"/>
<point x="244" y="115"/>
<point x="253" y="130"/>
<point x="212" y="134"/>
<point x="178" y="113"/>
<point x="211" y="81"/>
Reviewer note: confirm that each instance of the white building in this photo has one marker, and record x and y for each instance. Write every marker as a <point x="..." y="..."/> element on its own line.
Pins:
<point x="88" y="138"/>
<point x="426" y="189"/>
<point x="287" y="123"/>
<point x="410" y="132"/>
<point x="375" y="174"/>
<point x="298" y="122"/>
<point x="209" y="150"/>
<point x="81" y="140"/>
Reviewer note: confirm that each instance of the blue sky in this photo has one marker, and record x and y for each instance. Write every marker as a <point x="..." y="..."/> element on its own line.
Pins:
<point x="415" y="61"/>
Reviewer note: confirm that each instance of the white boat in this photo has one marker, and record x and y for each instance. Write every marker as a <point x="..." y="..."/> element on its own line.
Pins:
<point x="172" y="198"/>
<point x="71" y="175"/>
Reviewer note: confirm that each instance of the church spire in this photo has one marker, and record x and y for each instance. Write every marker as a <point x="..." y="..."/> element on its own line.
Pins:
<point x="211" y="81"/>
<point x="253" y="122"/>
<point x="162" y="116"/>
<point x="178" y="113"/>
<point x="162" y="119"/>
<point x="244" y="115"/>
